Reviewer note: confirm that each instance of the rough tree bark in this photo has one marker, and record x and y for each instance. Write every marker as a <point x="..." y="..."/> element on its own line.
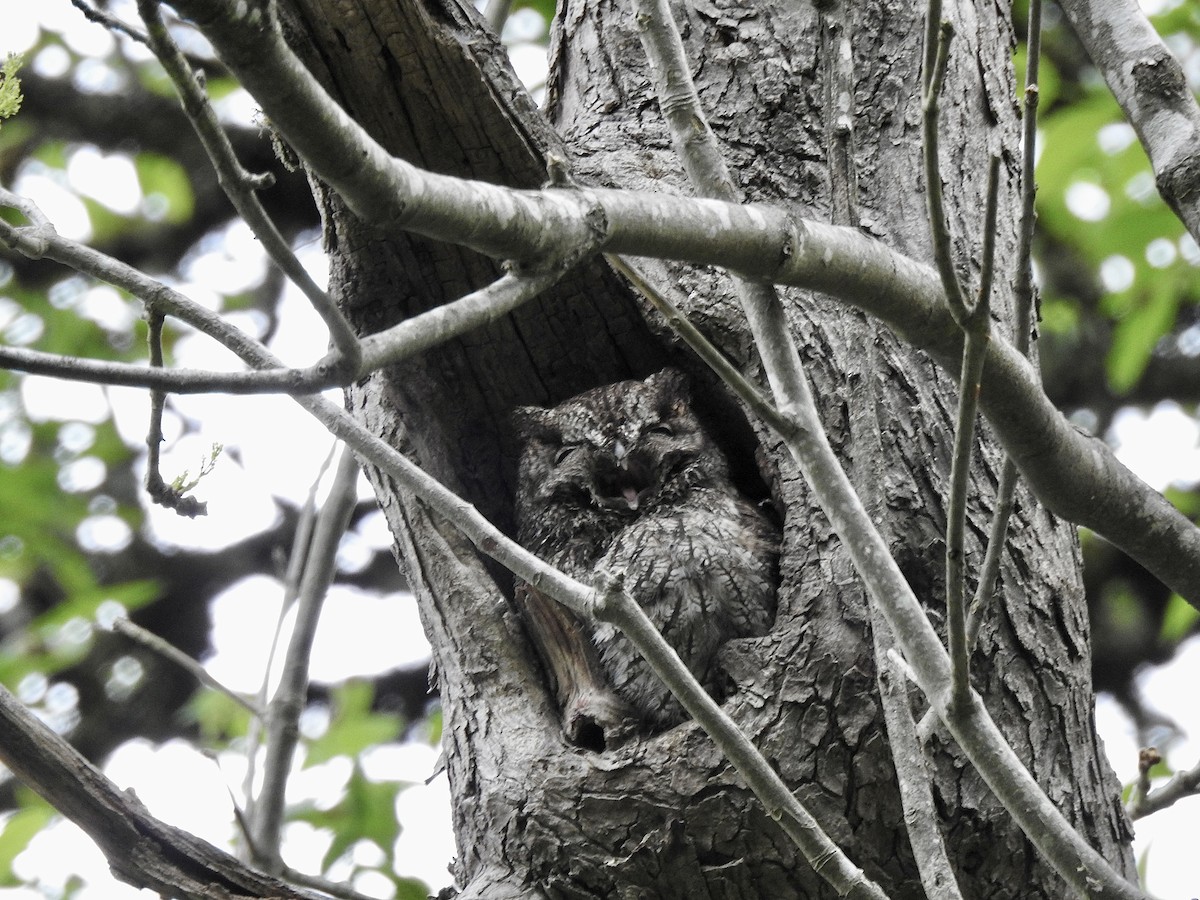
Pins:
<point x="667" y="816"/>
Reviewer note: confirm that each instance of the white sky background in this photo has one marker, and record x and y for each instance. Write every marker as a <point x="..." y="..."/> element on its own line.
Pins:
<point x="276" y="451"/>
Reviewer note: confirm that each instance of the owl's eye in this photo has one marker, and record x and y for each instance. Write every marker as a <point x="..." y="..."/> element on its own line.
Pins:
<point x="663" y="429"/>
<point x="563" y="452"/>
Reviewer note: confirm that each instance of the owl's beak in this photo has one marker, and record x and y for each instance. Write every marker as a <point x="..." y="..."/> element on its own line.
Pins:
<point x="625" y="485"/>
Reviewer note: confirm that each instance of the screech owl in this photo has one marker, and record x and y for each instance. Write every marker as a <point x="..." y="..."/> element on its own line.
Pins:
<point x="623" y="479"/>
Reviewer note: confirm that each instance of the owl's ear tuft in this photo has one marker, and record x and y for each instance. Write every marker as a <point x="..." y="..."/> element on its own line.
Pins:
<point x="533" y="422"/>
<point x="672" y="389"/>
<point x="670" y="384"/>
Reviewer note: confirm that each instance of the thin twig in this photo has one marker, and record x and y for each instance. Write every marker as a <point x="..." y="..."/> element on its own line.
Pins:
<point x="1144" y="802"/>
<point x="748" y="392"/>
<point x="291" y="578"/>
<point x="1022" y="324"/>
<point x="240" y="187"/>
<point x="705" y="166"/>
<point x="1148" y="758"/>
<point x="939" y="227"/>
<point x="332" y="888"/>
<point x="152" y="641"/>
<point x="975" y="731"/>
<point x="1023" y="283"/>
<point x="284" y="712"/>
<point x="435" y="326"/>
<point x="173" y="381"/>
<point x="978" y="333"/>
<point x="912" y="772"/>
<point x="989" y="572"/>
<point x="112" y="23"/>
<point x="165" y="495"/>
<point x="384" y="348"/>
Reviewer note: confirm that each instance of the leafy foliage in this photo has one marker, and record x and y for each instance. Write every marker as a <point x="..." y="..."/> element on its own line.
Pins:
<point x="32" y="816"/>
<point x="10" y="86"/>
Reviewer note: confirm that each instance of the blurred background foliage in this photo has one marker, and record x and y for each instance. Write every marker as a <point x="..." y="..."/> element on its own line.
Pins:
<point x="101" y="139"/>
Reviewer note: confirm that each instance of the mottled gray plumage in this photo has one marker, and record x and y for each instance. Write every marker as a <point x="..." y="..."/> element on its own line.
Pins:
<point x="623" y="479"/>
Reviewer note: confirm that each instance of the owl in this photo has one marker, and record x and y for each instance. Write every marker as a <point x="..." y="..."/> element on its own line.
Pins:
<point x="624" y="480"/>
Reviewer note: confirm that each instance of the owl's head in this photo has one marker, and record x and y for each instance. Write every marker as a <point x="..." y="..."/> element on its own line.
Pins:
<point x="617" y="450"/>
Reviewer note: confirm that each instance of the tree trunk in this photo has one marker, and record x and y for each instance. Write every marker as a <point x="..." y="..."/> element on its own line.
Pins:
<point x="667" y="816"/>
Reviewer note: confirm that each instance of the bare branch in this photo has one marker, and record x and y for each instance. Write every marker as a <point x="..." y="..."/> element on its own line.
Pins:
<point x="112" y="23"/>
<point x="172" y="381"/>
<point x="937" y="42"/>
<point x="165" y="495"/>
<point x="974" y="729"/>
<point x="1151" y="88"/>
<point x="1023" y="282"/>
<point x="239" y="185"/>
<point x="1074" y="475"/>
<point x="1144" y="802"/>
<point x="284" y="712"/>
<point x="442" y="323"/>
<point x="140" y="849"/>
<point x="496" y="13"/>
<point x="912" y="773"/>
<point x="1022" y="325"/>
<point x="697" y="149"/>
<point x="291" y="577"/>
<point x="815" y="251"/>
<point x="977" y="329"/>
<point x="381" y="349"/>
<point x="614" y="604"/>
<point x="332" y="888"/>
<point x="152" y="641"/>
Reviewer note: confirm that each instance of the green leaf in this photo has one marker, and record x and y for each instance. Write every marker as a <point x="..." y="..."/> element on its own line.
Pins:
<point x="165" y="177"/>
<point x="18" y="831"/>
<point x="52" y="153"/>
<point x="354" y="727"/>
<point x="1068" y="142"/>
<point x="366" y="812"/>
<point x="1183" y="18"/>
<point x="545" y="7"/>
<point x="1072" y="154"/>
<point x="1059" y="315"/>
<point x="218" y="716"/>
<point x="1178" y="620"/>
<point x="83" y="604"/>
<point x="1187" y="502"/>
<point x="409" y="888"/>
<point x="1137" y="334"/>
<point x="106" y="224"/>
<point x="10" y="86"/>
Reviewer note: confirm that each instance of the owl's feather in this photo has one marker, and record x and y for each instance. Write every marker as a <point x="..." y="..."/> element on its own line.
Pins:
<point x="624" y="480"/>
